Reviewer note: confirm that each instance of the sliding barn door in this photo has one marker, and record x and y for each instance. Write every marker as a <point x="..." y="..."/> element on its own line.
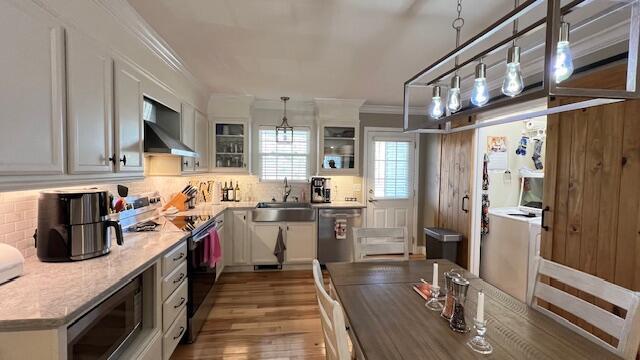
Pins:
<point x="456" y="178"/>
<point x="592" y="177"/>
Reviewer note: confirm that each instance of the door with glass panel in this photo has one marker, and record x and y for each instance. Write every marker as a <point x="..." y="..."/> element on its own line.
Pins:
<point x="390" y="178"/>
<point x="231" y="146"/>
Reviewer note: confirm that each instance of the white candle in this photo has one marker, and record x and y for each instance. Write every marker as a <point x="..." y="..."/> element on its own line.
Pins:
<point x="480" y="310"/>
<point x="435" y="274"/>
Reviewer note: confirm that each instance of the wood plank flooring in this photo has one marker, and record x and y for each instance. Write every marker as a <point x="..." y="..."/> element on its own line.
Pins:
<point x="263" y="315"/>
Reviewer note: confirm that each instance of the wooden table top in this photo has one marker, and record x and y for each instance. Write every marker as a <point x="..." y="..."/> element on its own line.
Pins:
<point x="388" y="320"/>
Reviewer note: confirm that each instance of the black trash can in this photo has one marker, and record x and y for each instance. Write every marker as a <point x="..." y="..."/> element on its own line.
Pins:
<point x="442" y="243"/>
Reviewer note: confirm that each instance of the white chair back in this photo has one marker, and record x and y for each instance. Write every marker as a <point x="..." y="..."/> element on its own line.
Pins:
<point x="626" y="330"/>
<point x="332" y="319"/>
<point x="391" y="235"/>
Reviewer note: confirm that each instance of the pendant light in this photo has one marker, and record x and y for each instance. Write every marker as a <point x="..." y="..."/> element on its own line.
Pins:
<point x="453" y="95"/>
<point x="284" y="132"/>
<point x="563" y="67"/>
<point x="480" y="91"/>
<point x="513" y="84"/>
<point x="436" y="108"/>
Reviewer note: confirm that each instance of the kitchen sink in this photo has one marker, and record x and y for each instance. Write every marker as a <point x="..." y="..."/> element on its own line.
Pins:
<point x="283" y="211"/>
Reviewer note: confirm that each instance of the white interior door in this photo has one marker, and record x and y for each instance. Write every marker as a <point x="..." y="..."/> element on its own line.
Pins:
<point x="390" y="166"/>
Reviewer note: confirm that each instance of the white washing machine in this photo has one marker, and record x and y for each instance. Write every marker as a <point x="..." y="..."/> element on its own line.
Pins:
<point x="507" y="251"/>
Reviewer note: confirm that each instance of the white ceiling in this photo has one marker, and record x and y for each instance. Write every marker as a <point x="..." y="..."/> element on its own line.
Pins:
<point x="362" y="49"/>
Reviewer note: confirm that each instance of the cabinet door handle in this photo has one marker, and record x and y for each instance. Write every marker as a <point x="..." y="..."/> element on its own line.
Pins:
<point x="179" y="278"/>
<point x="113" y="159"/>
<point x="181" y="331"/>
<point x="197" y="163"/>
<point x="244" y="217"/>
<point x="178" y="257"/>
<point x="542" y="224"/>
<point x="463" y="207"/>
<point x="124" y="160"/>
<point x="182" y="300"/>
<point x="186" y="163"/>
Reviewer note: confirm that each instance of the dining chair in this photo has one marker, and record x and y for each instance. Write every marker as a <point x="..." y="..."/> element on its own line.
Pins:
<point x="332" y="318"/>
<point x="626" y="330"/>
<point x="362" y="245"/>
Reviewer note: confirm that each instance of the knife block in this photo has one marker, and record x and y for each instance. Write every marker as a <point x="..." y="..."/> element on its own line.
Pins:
<point x="178" y="201"/>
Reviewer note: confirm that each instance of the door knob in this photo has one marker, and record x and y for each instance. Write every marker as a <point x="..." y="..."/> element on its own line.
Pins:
<point x="113" y="159"/>
<point x="372" y="200"/>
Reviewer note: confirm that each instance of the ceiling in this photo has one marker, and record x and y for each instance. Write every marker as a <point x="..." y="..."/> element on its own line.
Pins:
<point x="354" y="49"/>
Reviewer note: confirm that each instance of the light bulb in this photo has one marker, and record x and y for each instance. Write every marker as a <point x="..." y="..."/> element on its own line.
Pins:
<point x="453" y="95"/>
<point x="563" y="68"/>
<point x="480" y="91"/>
<point x="436" y="108"/>
<point x="513" y="84"/>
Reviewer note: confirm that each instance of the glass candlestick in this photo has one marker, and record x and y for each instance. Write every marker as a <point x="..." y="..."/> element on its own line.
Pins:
<point x="433" y="303"/>
<point x="479" y="342"/>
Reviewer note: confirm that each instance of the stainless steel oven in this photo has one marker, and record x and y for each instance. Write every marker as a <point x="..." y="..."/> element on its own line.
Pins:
<point x="202" y="279"/>
<point x="106" y="330"/>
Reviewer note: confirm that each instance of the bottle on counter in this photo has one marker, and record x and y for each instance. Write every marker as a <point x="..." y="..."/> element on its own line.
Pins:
<point x="225" y="192"/>
<point x="232" y="193"/>
<point x="237" y="192"/>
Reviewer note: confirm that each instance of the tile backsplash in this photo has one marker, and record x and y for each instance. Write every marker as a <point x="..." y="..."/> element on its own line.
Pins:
<point x="19" y="210"/>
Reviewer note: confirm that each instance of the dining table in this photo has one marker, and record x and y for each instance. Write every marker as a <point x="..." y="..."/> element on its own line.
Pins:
<point x="386" y="319"/>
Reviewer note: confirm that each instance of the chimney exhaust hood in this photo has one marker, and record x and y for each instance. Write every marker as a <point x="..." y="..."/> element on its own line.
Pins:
<point x="158" y="142"/>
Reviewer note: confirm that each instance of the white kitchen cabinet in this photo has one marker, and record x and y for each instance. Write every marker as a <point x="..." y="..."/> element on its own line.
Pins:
<point x="301" y="242"/>
<point x="188" y="120"/>
<point x="230" y="146"/>
<point x="33" y="92"/>
<point x="338" y="148"/>
<point x="221" y="264"/>
<point x="241" y="249"/>
<point x="263" y="241"/>
<point x="201" y="142"/>
<point x="90" y="104"/>
<point x="129" y="138"/>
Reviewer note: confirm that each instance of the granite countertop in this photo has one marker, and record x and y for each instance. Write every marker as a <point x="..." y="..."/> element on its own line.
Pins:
<point x="216" y="209"/>
<point x="340" y="205"/>
<point x="49" y="295"/>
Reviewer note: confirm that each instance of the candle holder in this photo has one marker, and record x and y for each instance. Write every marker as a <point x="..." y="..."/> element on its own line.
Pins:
<point x="479" y="343"/>
<point x="433" y="303"/>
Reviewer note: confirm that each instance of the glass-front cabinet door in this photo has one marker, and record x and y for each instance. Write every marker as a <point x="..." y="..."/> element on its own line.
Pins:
<point x="231" y="146"/>
<point x="338" y="149"/>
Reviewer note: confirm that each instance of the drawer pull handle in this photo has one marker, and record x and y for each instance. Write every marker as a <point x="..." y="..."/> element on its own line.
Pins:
<point x="180" y="278"/>
<point x="182" y="300"/>
<point x="178" y="257"/>
<point x="180" y="333"/>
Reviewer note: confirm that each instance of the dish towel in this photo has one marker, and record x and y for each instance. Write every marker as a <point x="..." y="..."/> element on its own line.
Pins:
<point x="280" y="248"/>
<point x="484" y="220"/>
<point x="212" y="248"/>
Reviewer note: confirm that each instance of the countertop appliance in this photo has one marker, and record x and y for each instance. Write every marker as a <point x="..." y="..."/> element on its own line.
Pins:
<point x="74" y="225"/>
<point x="320" y="190"/>
<point x="11" y="263"/>
<point x="335" y="233"/>
<point x="106" y="330"/>
<point x="508" y="250"/>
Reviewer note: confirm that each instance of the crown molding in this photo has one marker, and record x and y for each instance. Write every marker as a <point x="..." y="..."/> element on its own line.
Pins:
<point x="292" y="105"/>
<point x="128" y="17"/>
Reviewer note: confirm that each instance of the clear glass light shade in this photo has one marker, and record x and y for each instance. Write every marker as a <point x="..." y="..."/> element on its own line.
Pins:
<point x="480" y="92"/>
<point x="436" y="108"/>
<point x="512" y="84"/>
<point x="453" y="100"/>
<point x="563" y="67"/>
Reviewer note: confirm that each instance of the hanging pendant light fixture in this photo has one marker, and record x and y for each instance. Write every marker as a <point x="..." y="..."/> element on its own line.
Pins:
<point x="436" y="108"/>
<point x="453" y="95"/>
<point x="284" y="131"/>
<point x="513" y="84"/>
<point x="480" y="91"/>
<point x="563" y="67"/>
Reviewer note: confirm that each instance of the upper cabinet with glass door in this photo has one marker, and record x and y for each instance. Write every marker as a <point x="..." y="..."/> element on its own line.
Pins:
<point x="338" y="149"/>
<point x="231" y="146"/>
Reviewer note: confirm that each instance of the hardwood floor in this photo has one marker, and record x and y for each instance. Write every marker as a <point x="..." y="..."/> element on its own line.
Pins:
<point x="261" y="315"/>
<point x="266" y="315"/>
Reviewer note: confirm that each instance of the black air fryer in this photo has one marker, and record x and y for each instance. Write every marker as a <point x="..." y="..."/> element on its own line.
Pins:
<point x="74" y="225"/>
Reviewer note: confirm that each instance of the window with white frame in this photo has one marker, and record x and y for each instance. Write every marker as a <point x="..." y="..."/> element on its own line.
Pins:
<point x="284" y="159"/>
<point x="391" y="166"/>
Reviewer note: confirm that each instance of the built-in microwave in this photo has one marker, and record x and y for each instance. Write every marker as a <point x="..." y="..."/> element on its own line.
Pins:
<point x="106" y="330"/>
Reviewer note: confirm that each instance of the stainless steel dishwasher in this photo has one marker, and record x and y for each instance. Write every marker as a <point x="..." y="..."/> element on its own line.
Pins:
<point x="332" y="222"/>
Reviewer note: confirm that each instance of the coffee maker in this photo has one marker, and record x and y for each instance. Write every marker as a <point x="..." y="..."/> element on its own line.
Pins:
<point x="74" y="225"/>
<point x="320" y="190"/>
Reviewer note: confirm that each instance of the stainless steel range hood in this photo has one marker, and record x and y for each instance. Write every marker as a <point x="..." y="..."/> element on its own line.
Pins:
<point x="158" y="142"/>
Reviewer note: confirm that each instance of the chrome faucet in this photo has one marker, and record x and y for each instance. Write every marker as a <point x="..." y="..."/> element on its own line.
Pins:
<point x="286" y="190"/>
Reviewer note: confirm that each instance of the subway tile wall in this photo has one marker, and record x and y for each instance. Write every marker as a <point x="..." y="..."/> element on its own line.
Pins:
<point x="19" y="210"/>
